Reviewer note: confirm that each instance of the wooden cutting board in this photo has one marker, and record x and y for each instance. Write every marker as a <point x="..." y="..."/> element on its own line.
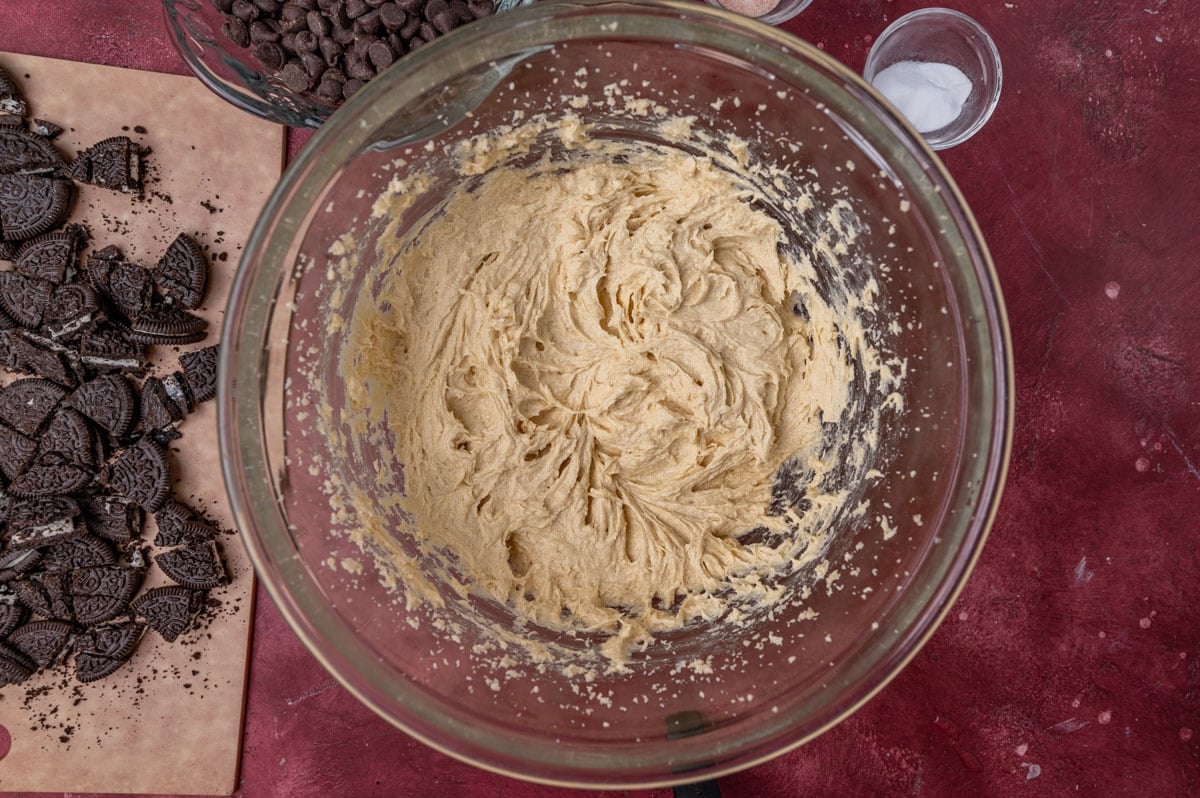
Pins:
<point x="170" y="720"/>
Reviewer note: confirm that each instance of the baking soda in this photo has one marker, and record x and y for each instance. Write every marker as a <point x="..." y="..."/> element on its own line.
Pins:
<point x="930" y="95"/>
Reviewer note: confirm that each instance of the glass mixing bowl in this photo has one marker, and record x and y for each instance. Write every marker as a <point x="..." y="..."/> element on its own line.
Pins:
<point x="940" y="465"/>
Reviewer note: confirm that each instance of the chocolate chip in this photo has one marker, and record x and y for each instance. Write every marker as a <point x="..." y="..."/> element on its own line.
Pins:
<point x="357" y="68"/>
<point x="313" y="64"/>
<point x="426" y="31"/>
<point x="462" y="11"/>
<point x="295" y="77"/>
<point x="306" y="42"/>
<point x="270" y="55"/>
<point x="236" y="31"/>
<point x="481" y="8"/>
<point x="268" y="6"/>
<point x="410" y="27"/>
<point x="245" y="11"/>
<point x="263" y="31"/>
<point x="293" y="18"/>
<point x="317" y="23"/>
<point x="351" y="86"/>
<point x="356" y="8"/>
<point x="415" y="42"/>
<point x="331" y="51"/>
<point x="381" y="55"/>
<point x="392" y="16"/>
<point x="369" y="22"/>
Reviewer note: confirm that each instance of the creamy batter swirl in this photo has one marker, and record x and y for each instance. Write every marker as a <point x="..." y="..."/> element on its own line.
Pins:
<point x="591" y="373"/>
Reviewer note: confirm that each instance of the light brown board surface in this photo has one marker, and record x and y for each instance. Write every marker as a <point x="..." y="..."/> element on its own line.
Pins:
<point x="170" y="720"/>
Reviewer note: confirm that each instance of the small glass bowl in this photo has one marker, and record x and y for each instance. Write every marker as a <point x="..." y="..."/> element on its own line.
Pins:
<point x="772" y="15"/>
<point x="940" y="35"/>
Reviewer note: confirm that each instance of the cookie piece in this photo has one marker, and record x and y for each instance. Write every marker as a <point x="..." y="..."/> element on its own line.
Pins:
<point x="45" y="534"/>
<point x="26" y="404"/>
<point x="52" y="474"/>
<point x="185" y="533"/>
<point x="108" y="349"/>
<point x="49" y="257"/>
<point x="112" y="517"/>
<point x="178" y="391"/>
<point x="11" y="101"/>
<point x="42" y="641"/>
<point x="110" y="401"/>
<point x="35" y="355"/>
<point x="114" y="163"/>
<point x="83" y="552"/>
<point x="101" y="593"/>
<point x="142" y="473"/>
<point x="168" y="610"/>
<point x="170" y="518"/>
<point x="26" y="513"/>
<point x="127" y="286"/>
<point x="200" y="372"/>
<point x="12" y="615"/>
<point x="22" y="152"/>
<point x="47" y="594"/>
<point x="158" y="411"/>
<point x="13" y="672"/>
<point x="70" y="435"/>
<point x="100" y="652"/>
<point x="16" y="452"/>
<point x="31" y="205"/>
<point x="45" y="128"/>
<point x="167" y="326"/>
<point x="15" y="564"/>
<point x="182" y="272"/>
<point x="72" y="307"/>
<point x="24" y="299"/>
<point x="197" y="567"/>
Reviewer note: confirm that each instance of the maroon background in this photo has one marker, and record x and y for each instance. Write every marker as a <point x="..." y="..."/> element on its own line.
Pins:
<point x="1075" y="647"/>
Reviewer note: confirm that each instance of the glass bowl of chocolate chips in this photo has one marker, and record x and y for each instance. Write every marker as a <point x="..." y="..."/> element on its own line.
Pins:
<point x="295" y="61"/>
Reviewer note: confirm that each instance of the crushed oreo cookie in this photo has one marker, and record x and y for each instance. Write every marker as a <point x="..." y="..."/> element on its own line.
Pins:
<point x="82" y="425"/>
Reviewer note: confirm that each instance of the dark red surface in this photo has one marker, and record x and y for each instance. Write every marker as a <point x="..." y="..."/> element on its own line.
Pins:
<point x="1071" y="663"/>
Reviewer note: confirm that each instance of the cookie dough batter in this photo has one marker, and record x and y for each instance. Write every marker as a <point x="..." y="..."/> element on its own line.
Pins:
<point x="592" y="375"/>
